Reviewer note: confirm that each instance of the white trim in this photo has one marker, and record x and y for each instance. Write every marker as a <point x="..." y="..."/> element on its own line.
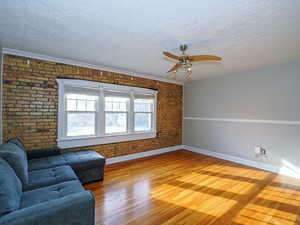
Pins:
<point x="61" y="106"/>
<point x="100" y="137"/>
<point x="89" y="141"/>
<point x="247" y="162"/>
<point x="98" y="85"/>
<point x="284" y="122"/>
<point x="87" y="65"/>
<point x="142" y="154"/>
<point x="100" y="110"/>
<point x="182" y="117"/>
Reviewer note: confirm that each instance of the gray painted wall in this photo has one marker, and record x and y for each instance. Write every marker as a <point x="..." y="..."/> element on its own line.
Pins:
<point x="270" y="93"/>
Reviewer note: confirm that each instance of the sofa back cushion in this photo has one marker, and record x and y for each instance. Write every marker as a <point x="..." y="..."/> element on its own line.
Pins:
<point x="17" y="159"/>
<point x="10" y="188"/>
<point x="17" y="142"/>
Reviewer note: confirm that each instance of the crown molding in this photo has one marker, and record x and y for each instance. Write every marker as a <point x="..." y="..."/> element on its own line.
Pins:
<point x="87" y="65"/>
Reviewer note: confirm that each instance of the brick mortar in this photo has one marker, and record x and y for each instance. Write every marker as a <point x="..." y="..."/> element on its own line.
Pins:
<point x="30" y="104"/>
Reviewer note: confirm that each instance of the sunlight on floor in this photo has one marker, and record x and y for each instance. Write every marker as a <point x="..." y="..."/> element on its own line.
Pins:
<point x="260" y="215"/>
<point x="193" y="200"/>
<point x="276" y="204"/>
<point x="286" y="181"/>
<point x="274" y="194"/>
<point x="217" y="182"/>
<point x="219" y="193"/>
<point x="289" y="169"/>
<point x="238" y="171"/>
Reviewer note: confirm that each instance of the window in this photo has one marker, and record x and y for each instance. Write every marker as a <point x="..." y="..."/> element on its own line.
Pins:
<point x="81" y="114"/>
<point x="116" y="112"/>
<point x="93" y="113"/>
<point x="143" y="112"/>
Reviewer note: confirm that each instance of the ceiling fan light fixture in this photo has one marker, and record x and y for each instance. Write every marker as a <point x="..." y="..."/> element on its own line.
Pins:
<point x="183" y="68"/>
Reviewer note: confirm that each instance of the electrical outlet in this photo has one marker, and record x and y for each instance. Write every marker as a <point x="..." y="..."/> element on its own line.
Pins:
<point x="259" y="150"/>
<point x="263" y="151"/>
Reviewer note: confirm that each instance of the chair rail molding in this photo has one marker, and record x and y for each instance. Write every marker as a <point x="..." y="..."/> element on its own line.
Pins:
<point x="283" y="122"/>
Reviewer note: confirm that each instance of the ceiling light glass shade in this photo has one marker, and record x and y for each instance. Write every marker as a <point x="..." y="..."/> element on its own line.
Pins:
<point x="183" y="73"/>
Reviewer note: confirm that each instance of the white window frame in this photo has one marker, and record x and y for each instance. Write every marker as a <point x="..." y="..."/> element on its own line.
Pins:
<point x="152" y="113"/>
<point x="100" y="137"/>
<point x="70" y="111"/>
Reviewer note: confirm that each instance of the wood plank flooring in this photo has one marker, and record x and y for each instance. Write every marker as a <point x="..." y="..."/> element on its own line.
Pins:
<point x="183" y="187"/>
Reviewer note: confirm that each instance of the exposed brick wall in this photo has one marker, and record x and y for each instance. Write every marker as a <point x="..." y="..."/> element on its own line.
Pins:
<point x="30" y="104"/>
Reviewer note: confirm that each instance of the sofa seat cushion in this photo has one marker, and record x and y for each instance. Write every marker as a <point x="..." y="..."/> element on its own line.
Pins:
<point x="17" y="159"/>
<point x="10" y="188"/>
<point x="44" y="194"/>
<point x="46" y="162"/>
<point x="86" y="159"/>
<point x="50" y="176"/>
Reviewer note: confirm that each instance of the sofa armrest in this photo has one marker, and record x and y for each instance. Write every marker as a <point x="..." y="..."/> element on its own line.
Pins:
<point x="78" y="208"/>
<point x="39" y="153"/>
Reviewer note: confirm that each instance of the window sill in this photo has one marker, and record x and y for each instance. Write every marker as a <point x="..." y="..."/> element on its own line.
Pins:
<point x="73" y="142"/>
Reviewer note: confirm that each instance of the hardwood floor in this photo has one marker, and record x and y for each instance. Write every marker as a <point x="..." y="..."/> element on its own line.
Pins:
<point x="187" y="188"/>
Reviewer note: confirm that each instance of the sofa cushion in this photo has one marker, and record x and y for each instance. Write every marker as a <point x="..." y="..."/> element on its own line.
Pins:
<point x="17" y="159"/>
<point x="44" y="194"/>
<point x="10" y="188"/>
<point x="46" y="177"/>
<point x="46" y="162"/>
<point x="86" y="159"/>
<point x="81" y="159"/>
<point x="17" y="142"/>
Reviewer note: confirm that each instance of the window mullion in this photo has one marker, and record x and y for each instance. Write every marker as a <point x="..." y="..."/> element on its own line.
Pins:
<point x="153" y="117"/>
<point x="101" y="114"/>
<point x="131" y="113"/>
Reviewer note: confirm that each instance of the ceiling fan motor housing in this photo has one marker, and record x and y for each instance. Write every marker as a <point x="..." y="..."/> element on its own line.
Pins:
<point x="183" y="48"/>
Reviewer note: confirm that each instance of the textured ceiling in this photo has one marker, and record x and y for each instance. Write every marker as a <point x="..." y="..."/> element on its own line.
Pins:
<point x="131" y="34"/>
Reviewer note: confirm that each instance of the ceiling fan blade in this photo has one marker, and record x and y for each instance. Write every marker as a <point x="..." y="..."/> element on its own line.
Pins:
<point x="170" y="55"/>
<point x="174" y="67"/>
<point x="205" y="57"/>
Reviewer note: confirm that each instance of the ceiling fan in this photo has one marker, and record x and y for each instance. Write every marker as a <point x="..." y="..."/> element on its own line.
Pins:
<point x="185" y="61"/>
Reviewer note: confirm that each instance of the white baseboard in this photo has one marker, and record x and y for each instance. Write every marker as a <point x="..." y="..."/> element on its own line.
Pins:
<point x="142" y="154"/>
<point x="247" y="162"/>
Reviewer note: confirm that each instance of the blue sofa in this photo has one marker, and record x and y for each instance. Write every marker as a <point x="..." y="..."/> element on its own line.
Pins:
<point x="42" y="188"/>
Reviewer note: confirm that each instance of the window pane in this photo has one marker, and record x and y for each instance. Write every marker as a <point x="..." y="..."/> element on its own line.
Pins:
<point x="71" y="105"/>
<point x="142" y="121"/>
<point x="116" y="104"/>
<point x="90" y="105"/>
<point x="108" y="106"/>
<point x="80" y="102"/>
<point x="81" y="96"/>
<point x="80" y="124"/>
<point x="143" y="105"/>
<point x="115" y="122"/>
<point x="81" y="105"/>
